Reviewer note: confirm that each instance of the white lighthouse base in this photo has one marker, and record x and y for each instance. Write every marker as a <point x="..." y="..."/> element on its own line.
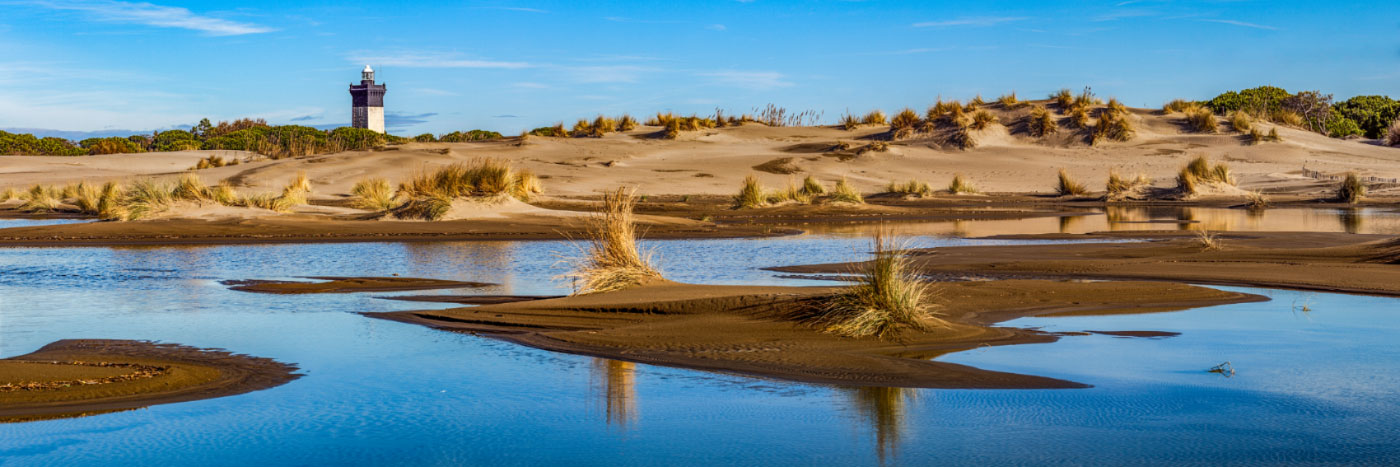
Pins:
<point x="367" y="117"/>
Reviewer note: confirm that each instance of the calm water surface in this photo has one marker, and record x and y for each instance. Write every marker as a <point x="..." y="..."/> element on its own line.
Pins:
<point x="1318" y="386"/>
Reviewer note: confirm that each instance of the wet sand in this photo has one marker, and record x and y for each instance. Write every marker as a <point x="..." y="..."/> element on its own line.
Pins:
<point x="71" y="378"/>
<point x="761" y="331"/>
<point x="333" y="284"/>
<point x="1325" y="262"/>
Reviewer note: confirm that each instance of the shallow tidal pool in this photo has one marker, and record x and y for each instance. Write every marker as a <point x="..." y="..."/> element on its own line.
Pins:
<point x="1317" y="386"/>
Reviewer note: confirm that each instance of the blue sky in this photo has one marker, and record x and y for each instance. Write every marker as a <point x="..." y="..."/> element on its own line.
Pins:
<point x="507" y="66"/>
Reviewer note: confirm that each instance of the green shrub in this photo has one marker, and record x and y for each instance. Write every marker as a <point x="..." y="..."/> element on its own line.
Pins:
<point x="1372" y="114"/>
<point x="469" y="136"/>
<point x="425" y="138"/>
<point x="110" y="145"/>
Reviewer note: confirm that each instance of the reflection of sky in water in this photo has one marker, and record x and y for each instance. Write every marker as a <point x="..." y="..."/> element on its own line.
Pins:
<point x="7" y="223"/>
<point x="1312" y="387"/>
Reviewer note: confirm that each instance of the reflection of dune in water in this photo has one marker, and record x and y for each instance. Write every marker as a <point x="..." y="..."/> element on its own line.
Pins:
<point x="1351" y="220"/>
<point x="884" y="409"/>
<point x="479" y="259"/>
<point x="615" y="383"/>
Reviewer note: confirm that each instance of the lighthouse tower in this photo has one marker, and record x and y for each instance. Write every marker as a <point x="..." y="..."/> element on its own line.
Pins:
<point x="367" y="102"/>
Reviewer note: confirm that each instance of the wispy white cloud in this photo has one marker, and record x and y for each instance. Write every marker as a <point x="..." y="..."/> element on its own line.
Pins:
<point x="749" y="79"/>
<point x="153" y="15"/>
<point x="530" y="85"/>
<point x="607" y="73"/>
<point x="430" y="60"/>
<point x="1241" y="24"/>
<point x="970" y="21"/>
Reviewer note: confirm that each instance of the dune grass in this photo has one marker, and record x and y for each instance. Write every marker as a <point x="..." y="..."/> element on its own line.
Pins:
<point x="1117" y="184"/>
<point x="813" y="187"/>
<point x="611" y="260"/>
<point x="983" y="120"/>
<point x="1202" y="120"/>
<point x="429" y="195"/>
<point x="875" y="117"/>
<point x="1040" y="122"/>
<point x="1209" y="241"/>
<point x="1067" y="186"/>
<point x="1010" y="102"/>
<point x="887" y="296"/>
<point x="849" y="122"/>
<point x="1176" y="105"/>
<point x="1112" y="126"/>
<point x="1200" y="170"/>
<point x="1352" y="190"/>
<point x="911" y="188"/>
<point x="223" y="193"/>
<point x="1256" y="200"/>
<point x="846" y="193"/>
<point x="750" y="194"/>
<point x="626" y="123"/>
<point x="940" y="109"/>
<point x="1078" y="118"/>
<point x="39" y="199"/>
<point x="1286" y="117"/>
<point x="1063" y="98"/>
<point x="1240" y="121"/>
<point x="1114" y="106"/>
<point x="191" y="188"/>
<point x="9" y="194"/>
<point x="975" y="103"/>
<point x="374" y="194"/>
<point x="904" y="124"/>
<point x="960" y="185"/>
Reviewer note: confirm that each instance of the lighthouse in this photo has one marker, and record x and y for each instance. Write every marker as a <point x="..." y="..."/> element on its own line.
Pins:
<point x="367" y="102"/>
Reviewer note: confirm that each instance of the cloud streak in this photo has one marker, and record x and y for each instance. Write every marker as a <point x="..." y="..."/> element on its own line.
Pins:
<point x="1241" y="24"/>
<point x="431" y="60"/>
<point x="978" y="21"/>
<point x="749" y="79"/>
<point x="154" y="15"/>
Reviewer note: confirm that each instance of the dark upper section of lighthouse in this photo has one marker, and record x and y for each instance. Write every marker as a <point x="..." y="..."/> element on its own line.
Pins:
<point x="367" y="94"/>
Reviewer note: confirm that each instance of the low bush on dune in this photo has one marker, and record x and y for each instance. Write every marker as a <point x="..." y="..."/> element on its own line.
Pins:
<point x="374" y="194"/>
<point x="1352" y="190"/>
<point x="612" y="261"/>
<point x="904" y="124"/>
<point x="556" y="131"/>
<point x="1066" y="186"/>
<point x="983" y="120"/>
<point x="469" y="136"/>
<point x="1202" y="120"/>
<point x="1040" y="122"/>
<point x="886" y="298"/>
<point x="1200" y="170"/>
<point x="960" y="185"/>
<point x="425" y="138"/>
<point x="1392" y="135"/>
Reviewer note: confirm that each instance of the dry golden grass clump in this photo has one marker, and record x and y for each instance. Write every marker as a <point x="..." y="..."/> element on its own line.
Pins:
<point x="886" y="298"/>
<point x="875" y="117"/>
<point x="1201" y="120"/>
<point x="1063" y="98"/>
<point x="960" y="185"/>
<point x="1078" y="117"/>
<point x="374" y="194"/>
<point x="1287" y="117"/>
<point x="9" y="194"/>
<point x="213" y="161"/>
<point x="41" y="198"/>
<point x="430" y="195"/>
<point x="1392" y="134"/>
<point x="1177" y="105"/>
<point x="1009" y="101"/>
<point x="904" y="124"/>
<point x="793" y="193"/>
<point x="1114" y="106"/>
<point x="1086" y="99"/>
<point x="849" y="122"/>
<point x="846" y="193"/>
<point x="983" y="120"/>
<point x="626" y="123"/>
<point x="1257" y="200"/>
<point x="1112" y="126"/>
<point x="612" y="260"/>
<point x="1040" y="122"/>
<point x="912" y="188"/>
<point x="1118" y="185"/>
<point x="813" y="187"/>
<point x="602" y="126"/>
<point x="975" y="103"/>
<point x="1209" y="241"/>
<point x="1240" y="121"/>
<point x="1352" y="190"/>
<point x="1200" y="170"/>
<point x="941" y="109"/>
<point x="1066" y="186"/>
<point x="751" y="194"/>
